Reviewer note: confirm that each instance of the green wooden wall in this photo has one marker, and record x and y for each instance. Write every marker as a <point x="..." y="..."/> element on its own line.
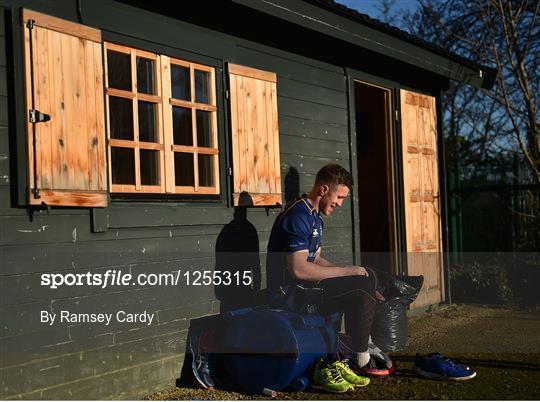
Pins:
<point x="88" y="361"/>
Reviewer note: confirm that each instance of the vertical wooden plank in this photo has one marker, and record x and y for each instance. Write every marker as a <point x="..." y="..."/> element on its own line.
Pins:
<point x="242" y="135"/>
<point x="405" y="164"/>
<point x="435" y="204"/>
<point x="71" y="93"/>
<point x="250" y="116"/>
<point x="235" y="128"/>
<point x="63" y="81"/>
<point x="91" y="117"/>
<point x="29" y="133"/>
<point x="437" y="192"/>
<point x="414" y="259"/>
<point x="79" y="133"/>
<point x="261" y="140"/>
<point x="100" y="122"/>
<point x="275" y="130"/>
<point x="167" y="124"/>
<point x="43" y="104"/>
<point x="270" y="150"/>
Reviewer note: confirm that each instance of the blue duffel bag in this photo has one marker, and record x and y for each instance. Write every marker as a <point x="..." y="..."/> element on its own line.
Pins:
<point x="274" y="349"/>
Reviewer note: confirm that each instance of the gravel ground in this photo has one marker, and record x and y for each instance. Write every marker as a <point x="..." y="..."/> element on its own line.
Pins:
<point x="502" y="345"/>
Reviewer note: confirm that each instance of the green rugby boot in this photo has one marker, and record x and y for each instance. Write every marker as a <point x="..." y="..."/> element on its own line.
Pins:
<point x="329" y="379"/>
<point x="348" y="375"/>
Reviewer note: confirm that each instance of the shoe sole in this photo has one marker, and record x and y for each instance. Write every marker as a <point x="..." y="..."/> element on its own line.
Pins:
<point x="380" y="373"/>
<point x="328" y="390"/>
<point x="360" y="385"/>
<point x="435" y="376"/>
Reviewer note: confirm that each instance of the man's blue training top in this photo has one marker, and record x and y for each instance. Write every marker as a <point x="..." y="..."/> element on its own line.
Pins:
<point x="297" y="227"/>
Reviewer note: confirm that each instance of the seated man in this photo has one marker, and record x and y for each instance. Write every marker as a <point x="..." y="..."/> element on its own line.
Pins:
<point x="294" y="257"/>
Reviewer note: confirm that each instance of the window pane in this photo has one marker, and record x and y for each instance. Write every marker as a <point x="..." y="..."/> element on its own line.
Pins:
<point x="206" y="170"/>
<point x="182" y="128"/>
<point x="149" y="167"/>
<point x="181" y="87"/>
<point x="202" y="87"/>
<point x="123" y="165"/>
<point x="119" y="70"/>
<point x="204" y="129"/>
<point x="121" y="118"/>
<point x="148" y="122"/>
<point x="145" y="76"/>
<point x="183" y="169"/>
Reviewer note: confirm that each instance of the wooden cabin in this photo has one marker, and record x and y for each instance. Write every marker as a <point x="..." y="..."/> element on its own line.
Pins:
<point x="154" y="136"/>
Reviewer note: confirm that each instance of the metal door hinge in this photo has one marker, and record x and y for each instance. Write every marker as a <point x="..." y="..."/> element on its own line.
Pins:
<point x="230" y="171"/>
<point x="37" y="117"/>
<point x="397" y="115"/>
<point x="227" y="93"/>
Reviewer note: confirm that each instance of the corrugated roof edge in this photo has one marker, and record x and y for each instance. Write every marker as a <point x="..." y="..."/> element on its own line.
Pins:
<point x="344" y="11"/>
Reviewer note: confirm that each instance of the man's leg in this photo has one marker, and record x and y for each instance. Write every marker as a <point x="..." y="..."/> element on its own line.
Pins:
<point x="355" y="297"/>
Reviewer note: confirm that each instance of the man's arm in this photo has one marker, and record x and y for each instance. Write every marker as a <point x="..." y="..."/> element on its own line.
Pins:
<point x="322" y="262"/>
<point x="304" y="270"/>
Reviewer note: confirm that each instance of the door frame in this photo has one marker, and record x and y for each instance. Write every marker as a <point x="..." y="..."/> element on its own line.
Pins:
<point x="353" y="75"/>
<point x="398" y="216"/>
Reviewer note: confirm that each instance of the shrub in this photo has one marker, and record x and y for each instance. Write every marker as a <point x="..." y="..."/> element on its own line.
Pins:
<point x="485" y="283"/>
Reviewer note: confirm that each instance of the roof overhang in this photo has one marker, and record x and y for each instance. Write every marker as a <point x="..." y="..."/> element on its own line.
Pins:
<point x="318" y="19"/>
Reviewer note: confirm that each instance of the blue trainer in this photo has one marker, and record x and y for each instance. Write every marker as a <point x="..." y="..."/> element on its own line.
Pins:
<point x="438" y="367"/>
<point x="440" y="356"/>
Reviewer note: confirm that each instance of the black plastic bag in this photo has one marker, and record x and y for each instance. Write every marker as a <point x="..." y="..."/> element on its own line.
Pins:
<point x="389" y="331"/>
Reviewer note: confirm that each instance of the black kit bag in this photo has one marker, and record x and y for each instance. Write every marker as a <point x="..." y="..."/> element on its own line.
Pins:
<point x="389" y="331"/>
<point x="300" y="299"/>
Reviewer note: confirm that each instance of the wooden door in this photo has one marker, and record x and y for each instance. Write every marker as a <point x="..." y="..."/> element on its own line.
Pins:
<point x="421" y="193"/>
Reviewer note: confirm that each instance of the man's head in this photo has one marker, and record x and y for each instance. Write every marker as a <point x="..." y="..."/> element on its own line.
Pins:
<point x="332" y="185"/>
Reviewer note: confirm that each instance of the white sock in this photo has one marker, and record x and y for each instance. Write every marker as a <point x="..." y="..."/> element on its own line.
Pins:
<point x="361" y="359"/>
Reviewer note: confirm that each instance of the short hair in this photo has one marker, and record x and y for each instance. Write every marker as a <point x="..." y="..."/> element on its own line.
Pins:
<point x="334" y="175"/>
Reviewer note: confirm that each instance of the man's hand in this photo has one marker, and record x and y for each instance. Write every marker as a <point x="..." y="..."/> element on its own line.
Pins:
<point x="303" y="270"/>
<point x="358" y="270"/>
<point x="362" y="271"/>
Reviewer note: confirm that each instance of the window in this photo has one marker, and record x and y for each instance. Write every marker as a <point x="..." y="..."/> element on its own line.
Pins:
<point x="161" y="119"/>
<point x="162" y="124"/>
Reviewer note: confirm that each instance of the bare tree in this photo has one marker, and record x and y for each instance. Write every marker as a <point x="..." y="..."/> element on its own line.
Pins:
<point x="514" y="38"/>
<point x="388" y="13"/>
<point x="500" y="33"/>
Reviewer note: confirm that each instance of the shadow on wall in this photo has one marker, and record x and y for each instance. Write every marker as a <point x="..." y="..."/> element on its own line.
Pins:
<point x="237" y="252"/>
<point x="292" y="185"/>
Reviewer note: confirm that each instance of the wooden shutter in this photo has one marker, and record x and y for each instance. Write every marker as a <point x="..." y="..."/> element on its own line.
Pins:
<point x="255" y="137"/>
<point x="421" y="191"/>
<point x="65" y="64"/>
